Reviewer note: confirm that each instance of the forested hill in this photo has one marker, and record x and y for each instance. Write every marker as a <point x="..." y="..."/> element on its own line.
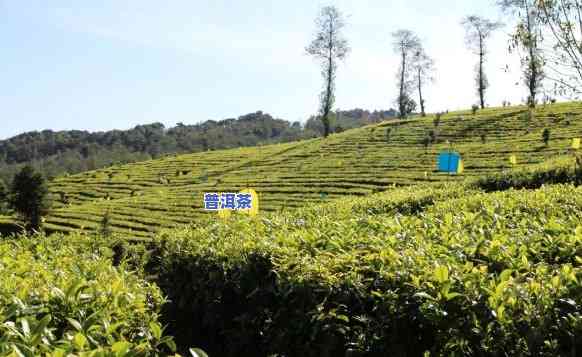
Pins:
<point x="54" y="153"/>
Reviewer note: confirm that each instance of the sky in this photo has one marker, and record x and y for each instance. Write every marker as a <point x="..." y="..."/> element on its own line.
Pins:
<point x="113" y="64"/>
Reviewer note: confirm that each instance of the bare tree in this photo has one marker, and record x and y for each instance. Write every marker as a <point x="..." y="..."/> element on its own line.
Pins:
<point x="423" y="67"/>
<point x="564" y="20"/>
<point x="527" y="36"/>
<point x="478" y="30"/>
<point x="328" y="47"/>
<point x="406" y="44"/>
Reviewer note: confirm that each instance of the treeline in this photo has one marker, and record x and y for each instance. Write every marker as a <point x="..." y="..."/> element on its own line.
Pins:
<point x="54" y="153"/>
<point x="546" y="35"/>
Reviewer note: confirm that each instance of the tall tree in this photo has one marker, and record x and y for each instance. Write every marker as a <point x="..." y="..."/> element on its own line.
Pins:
<point x="423" y="67"/>
<point x="328" y="47"/>
<point x="405" y="44"/>
<point x="477" y="31"/>
<point x="29" y="197"/>
<point x="528" y="37"/>
<point x="563" y="19"/>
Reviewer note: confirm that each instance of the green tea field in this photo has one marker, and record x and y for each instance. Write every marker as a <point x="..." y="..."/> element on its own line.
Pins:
<point x="143" y="198"/>
<point x="361" y="248"/>
<point x="417" y="271"/>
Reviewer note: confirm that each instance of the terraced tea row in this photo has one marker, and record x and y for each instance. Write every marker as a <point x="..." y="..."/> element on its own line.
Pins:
<point x="146" y="196"/>
<point x="418" y="271"/>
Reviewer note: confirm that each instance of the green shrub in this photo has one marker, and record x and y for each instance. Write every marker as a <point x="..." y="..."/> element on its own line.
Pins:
<point x="61" y="296"/>
<point x="105" y="225"/>
<point x="487" y="274"/>
<point x="426" y="142"/>
<point x="546" y="136"/>
<point x="3" y="197"/>
<point x="433" y="136"/>
<point x="437" y="119"/>
<point x="561" y="170"/>
<point x="28" y="197"/>
<point x="406" y="201"/>
<point x="527" y="118"/>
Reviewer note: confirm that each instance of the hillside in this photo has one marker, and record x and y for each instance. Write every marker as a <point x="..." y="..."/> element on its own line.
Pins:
<point x="417" y="271"/>
<point x="145" y="197"/>
<point x="57" y="152"/>
<point x="437" y="270"/>
<point x="439" y="267"/>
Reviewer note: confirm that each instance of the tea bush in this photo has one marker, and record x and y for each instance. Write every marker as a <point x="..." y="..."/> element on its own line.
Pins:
<point x="61" y="296"/>
<point x="144" y="197"/>
<point x="482" y="274"/>
<point x="559" y="170"/>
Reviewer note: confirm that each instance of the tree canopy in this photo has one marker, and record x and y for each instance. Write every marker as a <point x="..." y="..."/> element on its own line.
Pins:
<point x="29" y="197"/>
<point x="405" y="44"/>
<point x="328" y="46"/>
<point x="477" y="32"/>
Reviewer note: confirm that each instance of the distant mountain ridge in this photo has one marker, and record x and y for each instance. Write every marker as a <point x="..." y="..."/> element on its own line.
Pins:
<point x="74" y="151"/>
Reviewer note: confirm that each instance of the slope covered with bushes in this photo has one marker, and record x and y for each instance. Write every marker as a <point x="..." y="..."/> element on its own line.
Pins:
<point x="446" y="271"/>
<point x="56" y="153"/>
<point x="143" y="198"/>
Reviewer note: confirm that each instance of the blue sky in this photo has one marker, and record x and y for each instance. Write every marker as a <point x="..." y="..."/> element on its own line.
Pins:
<point x="114" y="64"/>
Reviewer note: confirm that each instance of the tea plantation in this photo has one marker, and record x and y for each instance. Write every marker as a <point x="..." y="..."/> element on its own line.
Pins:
<point x="68" y="300"/>
<point x="422" y="271"/>
<point x="145" y="197"/>
<point x="360" y="249"/>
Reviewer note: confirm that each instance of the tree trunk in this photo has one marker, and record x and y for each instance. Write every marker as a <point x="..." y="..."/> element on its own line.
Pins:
<point x="328" y="96"/>
<point x="533" y="68"/>
<point x="481" y="79"/>
<point x="401" y="99"/>
<point x="422" y="113"/>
